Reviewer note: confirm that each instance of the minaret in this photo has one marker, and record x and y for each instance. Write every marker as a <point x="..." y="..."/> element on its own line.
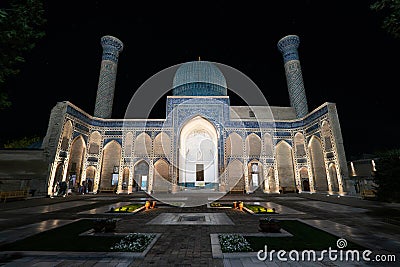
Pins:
<point x="108" y="72"/>
<point x="288" y="46"/>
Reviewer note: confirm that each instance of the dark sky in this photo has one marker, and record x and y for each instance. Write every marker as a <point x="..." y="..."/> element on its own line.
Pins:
<point x="346" y="58"/>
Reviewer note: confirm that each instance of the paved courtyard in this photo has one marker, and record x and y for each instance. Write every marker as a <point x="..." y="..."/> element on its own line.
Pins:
<point x="185" y="233"/>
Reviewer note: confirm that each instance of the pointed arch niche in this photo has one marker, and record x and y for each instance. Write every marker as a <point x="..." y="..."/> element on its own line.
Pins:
<point x="234" y="145"/>
<point x="76" y="158"/>
<point x="253" y="145"/>
<point x="162" y="145"/>
<point x="317" y="164"/>
<point x="67" y="133"/>
<point x="333" y="177"/>
<point x="162" y="178"/>
<point x="299" y="144"/>
<point x="326" y="133"/>
<point x="235" y="176"/>
<point x="111" y="159"/>
<point x="143" y="145"/>
<point x="94" y="142"/>
<point x="284" y="158"/>
<point x="268" y="146"/>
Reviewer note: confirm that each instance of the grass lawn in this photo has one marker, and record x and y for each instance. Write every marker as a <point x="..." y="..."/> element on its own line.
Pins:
<point x="304" y="237"/>
<point x="65" y="238"/>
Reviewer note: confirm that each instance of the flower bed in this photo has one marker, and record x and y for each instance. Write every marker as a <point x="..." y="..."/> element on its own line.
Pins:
<point x="128" y="208"/>
<point x="304" y="237"/>
<point x="135" y="242"/>
<point x="221" y="205"/>
<point x="258" y="209"/>
<point x="233" y="243"/>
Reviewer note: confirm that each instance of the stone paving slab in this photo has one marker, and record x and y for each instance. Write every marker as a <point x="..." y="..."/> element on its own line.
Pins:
<point x="105" y="208"/>
<point x="290" y="198"/>
<point x="21" y="232"/>
<point x="50" y="208"/>
<point x="176" y="219"/>
<point x="331" y="207"/>
<point x="189" y="245"/>
<point x="357" y="235"/>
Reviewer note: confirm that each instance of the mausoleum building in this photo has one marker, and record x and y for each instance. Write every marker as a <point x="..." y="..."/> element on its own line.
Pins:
<point x="203" y="143"/>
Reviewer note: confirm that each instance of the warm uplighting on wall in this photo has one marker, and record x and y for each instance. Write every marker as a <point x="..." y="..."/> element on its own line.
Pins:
<point x="353" y="171"/>
<point x="373" y="165"/>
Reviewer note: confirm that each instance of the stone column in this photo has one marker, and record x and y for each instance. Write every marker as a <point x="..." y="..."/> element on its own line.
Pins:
<point x="288" y="46"/>
<point x="108" y="72"/>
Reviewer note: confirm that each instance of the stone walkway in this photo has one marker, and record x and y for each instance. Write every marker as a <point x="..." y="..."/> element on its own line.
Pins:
<point x="186" y="241"/>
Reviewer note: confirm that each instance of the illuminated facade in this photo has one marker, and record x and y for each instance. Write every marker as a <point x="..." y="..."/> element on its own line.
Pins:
<point x="203" y="143"/>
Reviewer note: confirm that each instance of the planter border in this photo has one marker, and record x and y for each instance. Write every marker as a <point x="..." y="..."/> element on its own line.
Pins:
<point x="89" y="254"/>
<point x="217" y="251"/>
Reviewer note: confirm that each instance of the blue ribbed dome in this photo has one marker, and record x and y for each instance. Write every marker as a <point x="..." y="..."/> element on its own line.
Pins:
<point x="199" y="78"/>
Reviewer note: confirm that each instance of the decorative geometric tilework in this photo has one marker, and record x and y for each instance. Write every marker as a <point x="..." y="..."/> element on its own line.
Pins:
<point x="288" y="47"/>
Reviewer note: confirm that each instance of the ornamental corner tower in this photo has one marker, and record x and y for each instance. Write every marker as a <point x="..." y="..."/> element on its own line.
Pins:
<point x="288" y="46"/>
<point x="108" y="72"/>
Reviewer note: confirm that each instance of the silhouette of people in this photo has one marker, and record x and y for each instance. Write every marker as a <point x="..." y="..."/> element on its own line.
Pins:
<point x="90" y="185"/>
<point x="63" y="188"/>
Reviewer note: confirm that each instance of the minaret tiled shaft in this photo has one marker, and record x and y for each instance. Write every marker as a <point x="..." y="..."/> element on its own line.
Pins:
<point x="108" y="72"/>
<point x="288" y="46"/>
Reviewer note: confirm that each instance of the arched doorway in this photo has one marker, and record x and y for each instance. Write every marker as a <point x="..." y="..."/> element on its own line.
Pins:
<point x="255" y="174"/>
<point x="305" y="182"/>
<point x="141" y="175"/>
<point x="198" y="154"/>
<point x="125" y="179"/>
<point x="90" y="175"/>
<point x="75" y="164"/>
<point x="58" y="177"/>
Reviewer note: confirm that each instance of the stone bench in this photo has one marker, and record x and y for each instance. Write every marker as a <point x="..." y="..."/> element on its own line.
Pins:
<point x="368" y="193"/>
<point x="107" y="189"/>
<point x="288" y="189"/>
<point x="17" y="194"/>
<point x="236" y="190"/>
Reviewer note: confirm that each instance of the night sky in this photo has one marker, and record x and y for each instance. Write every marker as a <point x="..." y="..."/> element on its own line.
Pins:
<point x="345" y="55"/>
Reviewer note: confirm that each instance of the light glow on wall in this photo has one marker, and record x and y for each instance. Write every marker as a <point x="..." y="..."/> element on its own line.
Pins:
<point x="353" y="171"/>
<point x="373" y="165"/>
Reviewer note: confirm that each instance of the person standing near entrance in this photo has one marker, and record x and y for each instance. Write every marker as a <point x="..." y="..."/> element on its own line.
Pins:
<point x="90" y="185"/>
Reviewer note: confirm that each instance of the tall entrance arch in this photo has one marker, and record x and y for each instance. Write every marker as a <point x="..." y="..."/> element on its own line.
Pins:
<point x="198" y="154"/>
